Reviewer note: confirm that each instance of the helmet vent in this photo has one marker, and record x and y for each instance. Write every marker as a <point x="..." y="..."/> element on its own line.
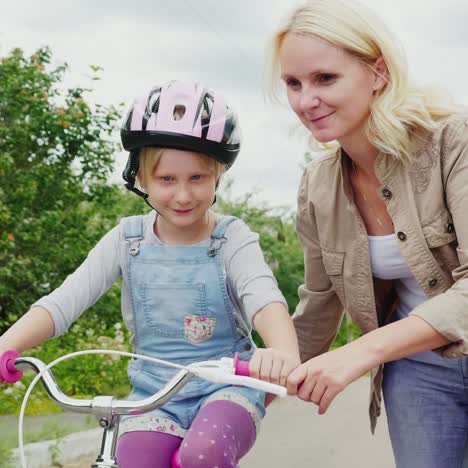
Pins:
<point x="179" y="112"/>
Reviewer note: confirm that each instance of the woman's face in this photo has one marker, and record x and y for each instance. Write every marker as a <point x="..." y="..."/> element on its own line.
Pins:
<point x="328" y="89"/>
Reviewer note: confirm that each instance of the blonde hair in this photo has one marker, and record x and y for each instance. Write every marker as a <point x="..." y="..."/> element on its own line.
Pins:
<point x="400" y="109"/>
<point x="150" y="157"/>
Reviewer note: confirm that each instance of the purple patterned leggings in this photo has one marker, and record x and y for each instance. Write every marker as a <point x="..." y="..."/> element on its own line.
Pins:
<point x="220" y="435"/>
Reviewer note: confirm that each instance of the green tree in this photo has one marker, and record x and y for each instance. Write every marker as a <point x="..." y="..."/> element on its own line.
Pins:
<point x="55" y="158"/>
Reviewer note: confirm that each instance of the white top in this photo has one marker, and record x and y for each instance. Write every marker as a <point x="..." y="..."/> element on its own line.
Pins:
<point x="388" y="263"/>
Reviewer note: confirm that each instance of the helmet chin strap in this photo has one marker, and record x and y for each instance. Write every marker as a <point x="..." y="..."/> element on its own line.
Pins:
<point x="129" y="175"/>
<point x="216" y="188"/>
<point x="130" y="186"/>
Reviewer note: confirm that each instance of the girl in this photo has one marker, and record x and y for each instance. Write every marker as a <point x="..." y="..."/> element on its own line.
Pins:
<point x="194" y="284"/>
<point x="382" y="219"/>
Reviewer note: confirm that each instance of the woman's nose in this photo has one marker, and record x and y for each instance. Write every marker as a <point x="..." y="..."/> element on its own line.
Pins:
<point x="308" y="100"/>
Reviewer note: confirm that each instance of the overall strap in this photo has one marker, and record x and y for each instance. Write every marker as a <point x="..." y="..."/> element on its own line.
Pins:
<point x="217" y="236"/>
<point x="133" y="232"/>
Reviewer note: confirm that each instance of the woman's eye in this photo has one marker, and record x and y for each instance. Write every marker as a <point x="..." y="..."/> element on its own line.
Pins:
<point x="292" y="83"/>
<point x="326" y="78"/>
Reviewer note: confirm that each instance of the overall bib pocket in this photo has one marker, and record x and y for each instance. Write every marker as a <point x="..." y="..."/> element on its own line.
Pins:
<point x="177" y="311"/>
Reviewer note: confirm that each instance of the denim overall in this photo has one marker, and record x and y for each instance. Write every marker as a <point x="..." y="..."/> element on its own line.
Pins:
<point x="183" y="314"/>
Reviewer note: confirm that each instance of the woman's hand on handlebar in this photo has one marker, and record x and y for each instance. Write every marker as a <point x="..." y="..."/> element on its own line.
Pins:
<point x="323" y="377"/>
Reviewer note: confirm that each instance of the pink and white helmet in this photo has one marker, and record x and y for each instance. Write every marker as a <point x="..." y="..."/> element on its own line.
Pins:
<point x="183" y="115"/>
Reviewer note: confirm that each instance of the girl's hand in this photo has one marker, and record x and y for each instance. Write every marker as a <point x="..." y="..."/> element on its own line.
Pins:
<point x="322" y="378"/>
<point x="272" y="365"/>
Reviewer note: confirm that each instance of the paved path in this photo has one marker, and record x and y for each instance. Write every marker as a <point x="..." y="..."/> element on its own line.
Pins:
<point x="294" y="436"/>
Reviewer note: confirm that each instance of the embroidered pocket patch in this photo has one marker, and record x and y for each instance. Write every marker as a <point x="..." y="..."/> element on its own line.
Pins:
<point x="198" y="328"/>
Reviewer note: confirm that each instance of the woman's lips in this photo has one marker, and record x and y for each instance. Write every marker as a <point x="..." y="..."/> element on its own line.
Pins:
<point x="318" y="119"/>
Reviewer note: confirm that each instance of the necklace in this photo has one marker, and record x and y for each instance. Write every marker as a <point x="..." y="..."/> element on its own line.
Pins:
<point x="364" y="196"/>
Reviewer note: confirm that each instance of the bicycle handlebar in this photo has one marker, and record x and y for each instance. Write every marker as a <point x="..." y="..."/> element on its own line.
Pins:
<point x="226" y="370"/>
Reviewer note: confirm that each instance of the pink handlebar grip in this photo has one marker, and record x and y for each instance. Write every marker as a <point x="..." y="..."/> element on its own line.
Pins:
<point x="241" y="367"/>
<point x="8" y="371"/>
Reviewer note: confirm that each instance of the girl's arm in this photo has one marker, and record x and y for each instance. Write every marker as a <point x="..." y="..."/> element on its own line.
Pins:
<point x="32" y="329"/>
<point x="261" y="303"/>
<point x="276" y="328"/>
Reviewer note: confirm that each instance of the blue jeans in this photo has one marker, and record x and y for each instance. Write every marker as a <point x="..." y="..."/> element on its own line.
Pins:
<point x="426" y="401"/>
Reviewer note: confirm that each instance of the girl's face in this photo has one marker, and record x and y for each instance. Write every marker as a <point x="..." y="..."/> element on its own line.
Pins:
<point x="328" y="89"/>
<point x="181" y="188"/>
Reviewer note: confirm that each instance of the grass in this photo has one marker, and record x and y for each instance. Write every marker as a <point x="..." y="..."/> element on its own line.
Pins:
<point x="39" y="428"/>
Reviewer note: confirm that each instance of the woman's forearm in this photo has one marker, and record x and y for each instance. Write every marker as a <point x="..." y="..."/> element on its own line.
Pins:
<point x="397" y="340"/>
<point x="276" y="328"/>
<point x="32" y="329"/>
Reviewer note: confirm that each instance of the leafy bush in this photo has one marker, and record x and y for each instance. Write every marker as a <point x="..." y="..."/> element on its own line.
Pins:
<point x="55" y="158"/>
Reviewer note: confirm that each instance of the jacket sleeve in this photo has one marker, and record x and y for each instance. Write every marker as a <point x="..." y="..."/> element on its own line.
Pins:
<point x="448" y="312"/>
<point x="319" y="312"/>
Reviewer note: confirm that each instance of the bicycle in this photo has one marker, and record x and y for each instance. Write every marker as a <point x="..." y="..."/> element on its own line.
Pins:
<point x="109" y="410"/>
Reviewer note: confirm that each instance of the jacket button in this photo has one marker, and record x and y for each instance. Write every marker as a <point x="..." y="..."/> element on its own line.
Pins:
<point x="387" y="193"/>
<point x="401" y="235"/>
<point x="432" y="282"/>
<point x="450" y="227"/>
<point x="247" y="347"/>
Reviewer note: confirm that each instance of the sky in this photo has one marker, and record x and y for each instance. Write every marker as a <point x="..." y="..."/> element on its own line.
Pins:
<point x="222" y="44"/>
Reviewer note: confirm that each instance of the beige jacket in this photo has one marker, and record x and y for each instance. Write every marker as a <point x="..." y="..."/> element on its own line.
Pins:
<point x="428" y="204"/>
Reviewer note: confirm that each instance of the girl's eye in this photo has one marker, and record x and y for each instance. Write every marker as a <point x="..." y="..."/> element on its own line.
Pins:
<point x="166" y="178"/>
<point x="196" y="177"/>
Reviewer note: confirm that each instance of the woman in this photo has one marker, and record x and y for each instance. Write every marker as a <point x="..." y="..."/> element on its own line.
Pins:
<point x="382" y="220"/>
